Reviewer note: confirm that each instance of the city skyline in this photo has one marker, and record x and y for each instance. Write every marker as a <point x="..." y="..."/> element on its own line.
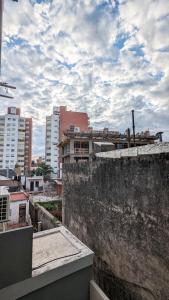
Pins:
<point x="99" y="57"/>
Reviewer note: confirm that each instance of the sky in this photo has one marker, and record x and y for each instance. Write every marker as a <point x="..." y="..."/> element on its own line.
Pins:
<point x="103" y="57"/>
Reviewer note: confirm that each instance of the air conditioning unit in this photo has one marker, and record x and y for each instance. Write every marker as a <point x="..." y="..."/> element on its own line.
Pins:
<point x="4" y="205"/>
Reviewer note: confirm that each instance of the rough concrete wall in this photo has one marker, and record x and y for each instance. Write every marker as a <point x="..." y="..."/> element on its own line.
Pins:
<point x="120" y="209"/>
<point x="48" y="221"/>
<point x="40" y="214"/>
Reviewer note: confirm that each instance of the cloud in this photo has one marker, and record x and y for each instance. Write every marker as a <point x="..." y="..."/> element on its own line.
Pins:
<point x="102" y="57"/>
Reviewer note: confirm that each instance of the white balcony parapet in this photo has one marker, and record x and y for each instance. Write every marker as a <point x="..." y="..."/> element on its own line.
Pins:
<point x="96" y="293"/>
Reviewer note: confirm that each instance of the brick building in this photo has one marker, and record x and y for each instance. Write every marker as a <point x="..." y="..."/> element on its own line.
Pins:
<point x="56" y="124"/>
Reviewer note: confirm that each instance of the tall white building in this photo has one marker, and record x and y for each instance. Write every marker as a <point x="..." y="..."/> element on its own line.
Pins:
<point x="52" y="141"/>
<point x="12" y="140"/>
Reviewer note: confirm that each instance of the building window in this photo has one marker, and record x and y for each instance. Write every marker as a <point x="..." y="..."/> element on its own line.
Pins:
<point x="37" y="184"/>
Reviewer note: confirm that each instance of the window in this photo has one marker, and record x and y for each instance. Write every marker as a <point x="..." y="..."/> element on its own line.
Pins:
<point x="37" y="184"/>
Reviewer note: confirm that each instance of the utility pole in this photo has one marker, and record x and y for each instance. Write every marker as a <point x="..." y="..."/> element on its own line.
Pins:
<point x="133" y="125"/>
<point x="128" y="137"/>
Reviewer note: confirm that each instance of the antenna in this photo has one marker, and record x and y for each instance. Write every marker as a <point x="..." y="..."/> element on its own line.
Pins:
<point x="133" y="124"/>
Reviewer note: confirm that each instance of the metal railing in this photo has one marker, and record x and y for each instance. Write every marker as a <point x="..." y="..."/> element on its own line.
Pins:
<point x="81" y="151"/>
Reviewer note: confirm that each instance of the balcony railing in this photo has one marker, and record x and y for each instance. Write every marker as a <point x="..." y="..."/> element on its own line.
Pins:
<point x="81" y="151"/>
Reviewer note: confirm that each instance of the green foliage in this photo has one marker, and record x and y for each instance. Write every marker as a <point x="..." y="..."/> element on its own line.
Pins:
<point x="42" y="170"/>
<point x="50" y="206"/>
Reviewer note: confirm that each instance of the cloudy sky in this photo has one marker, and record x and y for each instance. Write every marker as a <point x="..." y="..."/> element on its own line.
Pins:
<point x="104" y="57"/>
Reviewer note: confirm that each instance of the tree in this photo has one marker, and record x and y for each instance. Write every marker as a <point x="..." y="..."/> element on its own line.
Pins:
<point x="43" y="170"/>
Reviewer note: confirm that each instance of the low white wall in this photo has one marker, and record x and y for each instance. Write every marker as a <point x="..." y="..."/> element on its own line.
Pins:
<point x="96" y="293"/>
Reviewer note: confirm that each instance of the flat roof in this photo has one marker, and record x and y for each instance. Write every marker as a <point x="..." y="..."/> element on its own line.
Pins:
<point x="56" y="247"/>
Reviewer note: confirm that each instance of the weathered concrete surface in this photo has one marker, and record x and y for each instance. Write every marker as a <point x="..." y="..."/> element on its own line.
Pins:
<point x="39" y="214"/>
<point x="156" y="148"/>
<point x="120" y="209"/>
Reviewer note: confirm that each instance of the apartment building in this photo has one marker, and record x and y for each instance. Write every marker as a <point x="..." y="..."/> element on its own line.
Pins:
<point x="52" y="141"/>
<point x="56" y="124"/>
<point x="28" y="144"/>
<point x="15" y="140"/>
<point x="82" y="146"/>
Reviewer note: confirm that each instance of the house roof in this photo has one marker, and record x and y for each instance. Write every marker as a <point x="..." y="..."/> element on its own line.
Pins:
<point x="9" y="182"/>
<point x="19" y="196"/>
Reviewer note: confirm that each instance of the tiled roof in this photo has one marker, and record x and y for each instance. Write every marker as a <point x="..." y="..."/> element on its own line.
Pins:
<point x="9" y="182"/>
<point x="20" y="196"/>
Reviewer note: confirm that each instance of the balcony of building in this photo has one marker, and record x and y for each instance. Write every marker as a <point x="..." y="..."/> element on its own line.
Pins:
<point x="53" y="265"/>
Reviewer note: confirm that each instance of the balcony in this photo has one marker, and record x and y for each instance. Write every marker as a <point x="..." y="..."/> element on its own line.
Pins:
<point x="53" y="265"/>
<point x="81" y="151"/>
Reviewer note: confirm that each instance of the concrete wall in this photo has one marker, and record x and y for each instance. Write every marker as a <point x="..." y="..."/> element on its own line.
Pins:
<point x="156" y="148"/>
<point x="40" y="214"/>
<point x="14" y="266"/>
<point x="120" y="209"/>
<point x="48" y="220"/>
<point x="73" y="287"/>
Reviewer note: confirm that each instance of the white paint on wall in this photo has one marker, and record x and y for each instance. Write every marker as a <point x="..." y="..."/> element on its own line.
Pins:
<point x="14" y="211"/>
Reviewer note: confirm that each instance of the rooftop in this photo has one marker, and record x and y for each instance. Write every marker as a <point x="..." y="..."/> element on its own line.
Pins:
<point x="9" y="182"/>
<point x="18" y="196"/>
<point x="108" y="135"/>
<point x="56" y="247"/>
